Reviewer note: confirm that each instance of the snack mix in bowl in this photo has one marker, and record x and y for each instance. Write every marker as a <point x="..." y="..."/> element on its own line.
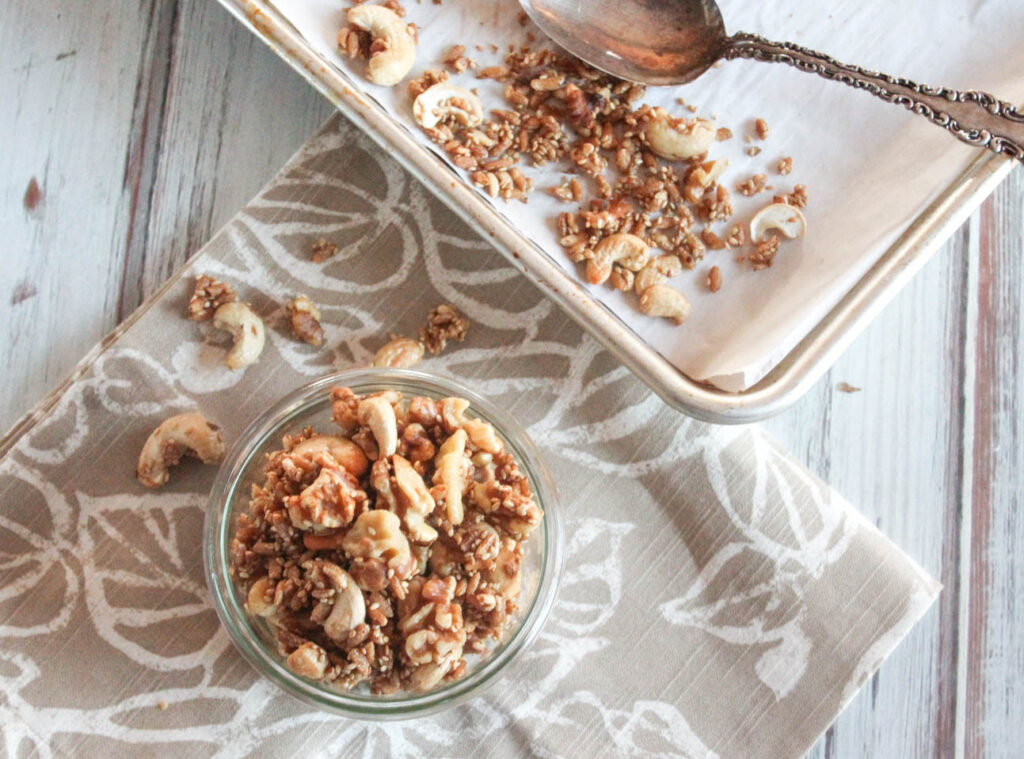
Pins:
<point x="388" y="549"/>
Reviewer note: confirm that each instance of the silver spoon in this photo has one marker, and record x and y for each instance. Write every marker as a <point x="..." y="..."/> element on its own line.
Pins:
<point x="675" y="41"/>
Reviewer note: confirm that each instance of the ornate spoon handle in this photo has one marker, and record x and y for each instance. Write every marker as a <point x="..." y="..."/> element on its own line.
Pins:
<point x="977" y="118"/>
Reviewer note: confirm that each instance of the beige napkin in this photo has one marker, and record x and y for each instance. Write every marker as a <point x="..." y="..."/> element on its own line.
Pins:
<point x="717" y="599"/>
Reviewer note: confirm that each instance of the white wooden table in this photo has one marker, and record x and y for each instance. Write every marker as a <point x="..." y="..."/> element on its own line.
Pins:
<point x="146" y="125"/>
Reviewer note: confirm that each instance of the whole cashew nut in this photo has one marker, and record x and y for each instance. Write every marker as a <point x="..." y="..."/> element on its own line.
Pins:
<point x="627" y="250"/>
<point x="349" y="607"/>
<point x="181" y="434"/>
<point x="662" y="300"/>
<point x="657" y="272"/>
<point x="678" y="139"/>
<point x="379" y="415"/>
<point x="778" y="216"/>
<point x="445" y="102"/>
<point x="399" y="353"/>
<point x="393" y="50"/>
<point x="341" y="449"/>
<point x="247" y="330"/>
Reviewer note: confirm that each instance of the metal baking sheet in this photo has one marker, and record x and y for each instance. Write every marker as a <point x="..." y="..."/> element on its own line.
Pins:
<point x="789" y="378"/>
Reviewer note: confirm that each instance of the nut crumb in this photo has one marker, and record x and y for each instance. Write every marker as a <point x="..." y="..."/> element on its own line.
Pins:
<point x="209" y="295"/>
<point x="305" y="320"/>
<point x="444" y="323"/>
<point x="752" y="151"/>
<point x="715" y="279"/>
<point x="846" y="387"/>
<point x="323" y="249"/>
<point x="161" y="705"/>
<point x="785" y="165"/>
<point x="723" y="134"/>
<point x="761" y="127"/>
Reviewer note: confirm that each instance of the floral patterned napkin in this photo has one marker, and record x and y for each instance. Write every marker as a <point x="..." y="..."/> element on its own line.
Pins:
<point x="717" y="599"/>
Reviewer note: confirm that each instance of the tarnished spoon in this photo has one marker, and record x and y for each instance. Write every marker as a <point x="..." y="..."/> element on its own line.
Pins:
<point x="675" y="41"/>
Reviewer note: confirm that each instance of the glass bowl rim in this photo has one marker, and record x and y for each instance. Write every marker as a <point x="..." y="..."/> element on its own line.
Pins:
<point x="268" y="664"/>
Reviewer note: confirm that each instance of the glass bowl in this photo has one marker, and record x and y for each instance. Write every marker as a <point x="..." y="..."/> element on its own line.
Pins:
<point x="243" y="466"/>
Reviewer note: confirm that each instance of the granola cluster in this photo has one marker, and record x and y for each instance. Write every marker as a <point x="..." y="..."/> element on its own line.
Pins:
<point x="387" y="552"/>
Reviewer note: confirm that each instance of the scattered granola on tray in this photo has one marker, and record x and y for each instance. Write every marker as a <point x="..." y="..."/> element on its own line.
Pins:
<point x="631" y="168"/>
<point x="386" y="553"/>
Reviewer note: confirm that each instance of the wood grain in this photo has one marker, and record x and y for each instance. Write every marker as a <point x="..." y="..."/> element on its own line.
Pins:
<point x="148" y="127"/>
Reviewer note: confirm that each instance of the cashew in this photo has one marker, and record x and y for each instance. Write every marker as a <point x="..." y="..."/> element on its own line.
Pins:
<point x="256" y="601"/>
<point x="450" y="472"/>
<point x="308" y="660"/>
<point x="677" y="139"/>
<point x="628" y="251"/>
<point x="393" y="50"/>
<point x="341" y="449"/>
<point x="662" y="300"/>
<point x="247" y="330"/>
<point x="778" y="216"/>
<point x="379" y="415"/>
<point x="400" y="353"/>
<point x="349" y="607"/>
<point x="480" y="433"/>
<point x="181" y="434"/>
<point x="377" y="534"/>
<point x="446" y="102"/>
<point x="419" y="502"/>
<point x="657" y="272"/>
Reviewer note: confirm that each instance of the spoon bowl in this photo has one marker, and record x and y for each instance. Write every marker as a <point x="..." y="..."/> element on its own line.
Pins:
<point x="650" y="41"/>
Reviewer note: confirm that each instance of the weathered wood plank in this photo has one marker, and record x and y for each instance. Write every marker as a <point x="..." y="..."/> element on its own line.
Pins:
<point x="994" y="648"/>
<point x="69" y="77"/>
<point x="235" y="114"/>
<point x="893" y="449"/>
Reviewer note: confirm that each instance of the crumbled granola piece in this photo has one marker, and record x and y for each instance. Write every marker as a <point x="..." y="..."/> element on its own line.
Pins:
<point x="736" y="236"/>
<point x="764" y="253"/>
<point x="753" y="150"/>
<point x="444" y="323"/>
<point x="785" y="165"/>
<point x="797" y="198"/>
<point x="761" y="127"/>
<point x="723" y="133"/>
<point x="456" y="59"/>
<point x="304" y="317"/>
<point x="323" y="249"/>
<point x="209" y="295"/>
<point x="753" y="186"/>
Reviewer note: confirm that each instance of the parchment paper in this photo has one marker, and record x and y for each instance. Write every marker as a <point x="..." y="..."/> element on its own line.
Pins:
<point x="870" y="167"/>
